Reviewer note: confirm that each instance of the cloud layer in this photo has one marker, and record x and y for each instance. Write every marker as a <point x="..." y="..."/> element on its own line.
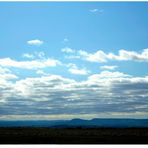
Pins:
<point x="106" y="92"/>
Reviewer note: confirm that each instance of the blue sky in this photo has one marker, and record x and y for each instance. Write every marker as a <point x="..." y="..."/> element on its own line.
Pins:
<point x="73" y="59"/>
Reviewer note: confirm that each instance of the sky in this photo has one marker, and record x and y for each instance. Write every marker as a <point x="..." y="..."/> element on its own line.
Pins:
<point x="64" y="60"/>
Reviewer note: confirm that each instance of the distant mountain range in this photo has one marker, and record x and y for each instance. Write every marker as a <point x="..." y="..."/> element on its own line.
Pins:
<point x="97" y="122"/>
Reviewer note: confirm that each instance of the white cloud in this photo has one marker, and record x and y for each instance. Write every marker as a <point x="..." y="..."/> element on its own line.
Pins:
<point x="98" y="56"/>
<point x="130" y="55"/>
<point x="67" y="50"/>
<point x="108" y="67"/>
<point x="108" y="93"/>
<point x="75" y="70"/>
<point x="35" y="55"/>
<point x="101" y="56"/>
<point x="32" y="64"/>
<point x="78" y="71"/>
<point x="36" y="42"/>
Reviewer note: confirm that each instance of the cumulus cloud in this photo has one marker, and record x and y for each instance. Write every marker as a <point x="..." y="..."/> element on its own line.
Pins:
<point x="108" y="67"/>
<point x="73" y="69"/>
<point x="101" y="56"/>
<point x="35" y="42"/>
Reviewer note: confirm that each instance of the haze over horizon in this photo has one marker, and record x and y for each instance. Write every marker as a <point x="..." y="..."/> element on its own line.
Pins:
<point x="65" y="60"/>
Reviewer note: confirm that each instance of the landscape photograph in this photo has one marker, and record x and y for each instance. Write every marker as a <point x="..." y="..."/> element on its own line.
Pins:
<point x="73" y="72"/>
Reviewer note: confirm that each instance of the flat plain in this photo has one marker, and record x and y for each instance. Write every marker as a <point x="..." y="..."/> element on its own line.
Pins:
<point x="79" y="135"/>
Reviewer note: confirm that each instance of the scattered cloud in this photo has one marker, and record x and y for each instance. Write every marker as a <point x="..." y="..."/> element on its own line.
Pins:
<point x="108" y="93"/>
<point x="101" y="56"/>
<point x="108" y="67"/>
<point x="35" y="42"/>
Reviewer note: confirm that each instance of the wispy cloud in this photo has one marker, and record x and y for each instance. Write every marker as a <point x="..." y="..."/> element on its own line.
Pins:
<point x="99" y="11"/>
<point x="108" y="67"/>
<point x="67" y="50"/>
<point x="65" y="40"/>
<point x="41" y="72"/>
<point x="35" y="42"/>
<point x="73" y="69"/>
<point x="93" y="10"/>
<point x="29" y="56"/>
<point x="34" y="55"/>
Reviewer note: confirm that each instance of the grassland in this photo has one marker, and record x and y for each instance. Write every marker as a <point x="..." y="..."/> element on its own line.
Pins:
<point x="28" y="135"/>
